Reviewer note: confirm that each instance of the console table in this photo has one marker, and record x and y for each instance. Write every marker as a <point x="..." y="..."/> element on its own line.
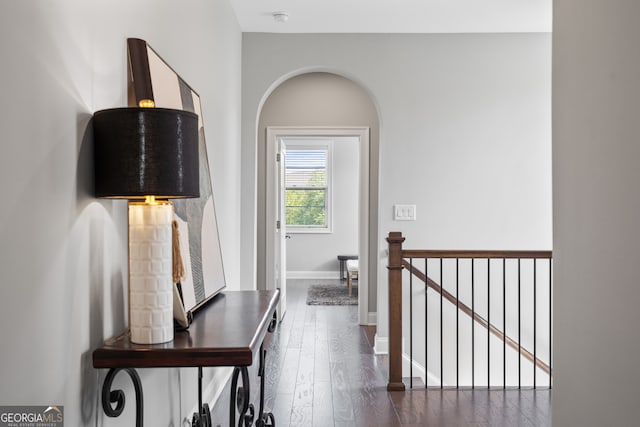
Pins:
<point x="227" y="331"/>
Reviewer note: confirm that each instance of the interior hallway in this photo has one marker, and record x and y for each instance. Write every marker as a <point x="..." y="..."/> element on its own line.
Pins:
<point x="322" y="372"/>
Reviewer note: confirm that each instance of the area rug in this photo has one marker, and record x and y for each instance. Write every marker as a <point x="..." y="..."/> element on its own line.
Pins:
<point x="332" y="294"/>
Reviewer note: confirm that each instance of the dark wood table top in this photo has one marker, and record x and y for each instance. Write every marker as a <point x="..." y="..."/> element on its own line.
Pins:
<point x="227" y="331"/>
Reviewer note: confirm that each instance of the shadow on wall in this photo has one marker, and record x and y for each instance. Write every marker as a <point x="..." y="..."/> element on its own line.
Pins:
<point x="90" y="377"/>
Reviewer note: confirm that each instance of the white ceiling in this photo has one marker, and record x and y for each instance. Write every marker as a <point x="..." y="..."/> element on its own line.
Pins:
<point x="395" y="16"/>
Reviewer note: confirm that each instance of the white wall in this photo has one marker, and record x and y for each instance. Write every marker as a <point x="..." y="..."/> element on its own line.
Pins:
<point x="464" y="132"/>
<point x="64" y="257"/>
<point x="596" y="200"/>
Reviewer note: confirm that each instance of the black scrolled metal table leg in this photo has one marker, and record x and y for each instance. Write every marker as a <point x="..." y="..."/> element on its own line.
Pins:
<point x="117" y="396"/>
<point x="202" y="418"/>
<point x="264" y="419"/>
<point x="273" y="323"/>
<point x="241" y="395"/>
<point x="240" y="399"/>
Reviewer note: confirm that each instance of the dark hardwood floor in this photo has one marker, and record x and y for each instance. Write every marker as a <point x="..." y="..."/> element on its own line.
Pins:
<point x="322" y="372"/>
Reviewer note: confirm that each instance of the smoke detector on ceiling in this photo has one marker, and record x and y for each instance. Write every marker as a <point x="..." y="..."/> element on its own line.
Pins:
<point x="280" y="16"/>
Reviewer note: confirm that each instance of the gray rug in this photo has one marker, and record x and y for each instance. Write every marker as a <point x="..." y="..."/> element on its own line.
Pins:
<point x="332" y="294"/>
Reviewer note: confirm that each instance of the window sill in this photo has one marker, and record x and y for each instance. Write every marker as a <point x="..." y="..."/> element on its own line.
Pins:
<point x="309" y="231"/>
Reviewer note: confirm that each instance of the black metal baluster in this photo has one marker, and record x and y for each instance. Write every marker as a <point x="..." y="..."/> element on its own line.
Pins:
<point x="457" y="328"/>
<point x="473" y="326"/>
<point x="535" y="285"/>
<point x="410" y="322"/>
<point x="441" y="326"/>
<point x="488" y="323"/>
<point x="519" y="330"/>
<point x="504" y="323"/>
<point x="550" y="312"/>
<point x="426" y="323"/>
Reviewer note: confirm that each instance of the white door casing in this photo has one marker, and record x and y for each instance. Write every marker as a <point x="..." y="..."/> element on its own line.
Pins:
<point x="276" y="267"/>
<point x="275" y="239"/>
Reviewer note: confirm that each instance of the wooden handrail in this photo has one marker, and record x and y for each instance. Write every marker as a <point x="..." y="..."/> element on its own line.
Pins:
<point x="467" y="310"/>
<point x="429" y="253"/>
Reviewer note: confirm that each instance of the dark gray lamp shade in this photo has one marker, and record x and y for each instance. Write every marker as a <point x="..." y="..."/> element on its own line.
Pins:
<point x="142" y="152"/>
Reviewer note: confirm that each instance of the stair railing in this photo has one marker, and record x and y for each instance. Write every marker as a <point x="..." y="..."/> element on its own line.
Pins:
<point x="400" y="259"/>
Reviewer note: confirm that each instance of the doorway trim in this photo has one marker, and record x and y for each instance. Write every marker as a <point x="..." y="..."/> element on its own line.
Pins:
<point x="360" y="132"/>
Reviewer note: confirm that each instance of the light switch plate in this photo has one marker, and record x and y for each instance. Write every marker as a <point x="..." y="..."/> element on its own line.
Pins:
<point x="404" y="212"/>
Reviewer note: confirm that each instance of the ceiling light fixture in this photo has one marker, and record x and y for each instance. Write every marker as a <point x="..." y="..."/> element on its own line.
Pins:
<point x="280" y="16"/>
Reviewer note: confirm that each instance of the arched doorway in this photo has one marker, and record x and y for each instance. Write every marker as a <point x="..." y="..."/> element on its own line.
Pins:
<point x="321" y="100"/>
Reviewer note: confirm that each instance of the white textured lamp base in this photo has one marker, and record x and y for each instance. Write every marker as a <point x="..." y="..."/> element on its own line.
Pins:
<point x="150" y="276"/>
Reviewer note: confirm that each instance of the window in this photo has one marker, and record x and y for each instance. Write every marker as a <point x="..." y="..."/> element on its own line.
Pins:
<point x="307" y="186"/>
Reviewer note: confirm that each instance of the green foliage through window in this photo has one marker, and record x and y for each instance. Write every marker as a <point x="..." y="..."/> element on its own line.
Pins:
<point x="306" y="207"/>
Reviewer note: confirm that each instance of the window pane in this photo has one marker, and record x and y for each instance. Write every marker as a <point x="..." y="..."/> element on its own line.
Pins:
<point x="306" y="168"/>
<point x="306" y="178"/>
<point x="306" y="207"/>
<point x="306" y="186"/>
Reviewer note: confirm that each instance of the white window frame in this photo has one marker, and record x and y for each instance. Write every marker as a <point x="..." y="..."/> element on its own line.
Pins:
<point x="315" y="143"/>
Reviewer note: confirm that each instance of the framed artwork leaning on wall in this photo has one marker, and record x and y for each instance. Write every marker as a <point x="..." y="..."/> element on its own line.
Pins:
<point x="152" y="82"/>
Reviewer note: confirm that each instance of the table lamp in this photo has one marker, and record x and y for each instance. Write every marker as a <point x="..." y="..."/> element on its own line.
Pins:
<point x="148" y="155"/>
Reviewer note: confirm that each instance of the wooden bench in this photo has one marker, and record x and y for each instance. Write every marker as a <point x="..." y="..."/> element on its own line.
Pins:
<point x="352" y="271"/>
<point x="342" y="259"/>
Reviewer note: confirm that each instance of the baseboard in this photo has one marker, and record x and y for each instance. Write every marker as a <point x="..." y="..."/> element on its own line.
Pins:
<point x="381" y="345"/>
<point x="372" y="319"/>
<point x="418" y="371"/>
<point x="322" y="275"/>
